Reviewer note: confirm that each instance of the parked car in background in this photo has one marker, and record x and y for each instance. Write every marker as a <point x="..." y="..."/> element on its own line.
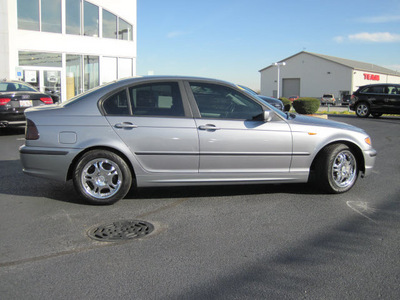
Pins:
<point x="346" y="100"/>
<point x="328" y="99"/>
<point x="376" y="99"/>
<point x="293" y="98"/>
<point x="170" y="131"/>
<point x="15" y="97"/>
<point x="272" y="101"/>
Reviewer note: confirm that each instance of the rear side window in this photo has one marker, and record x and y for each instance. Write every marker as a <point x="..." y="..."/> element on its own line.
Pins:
<point x="158" y="99"/>
<point x="393" y="90"/>
<point x="117" y="104"/>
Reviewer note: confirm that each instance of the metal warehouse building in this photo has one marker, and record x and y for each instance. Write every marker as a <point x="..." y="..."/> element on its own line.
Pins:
<point x="308" y="74"/>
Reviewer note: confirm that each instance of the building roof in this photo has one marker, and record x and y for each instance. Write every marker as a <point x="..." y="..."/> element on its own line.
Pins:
<point x="357" y="65"/>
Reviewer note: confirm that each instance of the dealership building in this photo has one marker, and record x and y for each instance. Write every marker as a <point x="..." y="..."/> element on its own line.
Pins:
<point x="67" y="46"/>
<point x="308" y="74"/>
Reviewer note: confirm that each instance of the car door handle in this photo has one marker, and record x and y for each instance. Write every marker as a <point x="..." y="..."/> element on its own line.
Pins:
<point x="125" y="125"/>
<point x="208" y="127"/>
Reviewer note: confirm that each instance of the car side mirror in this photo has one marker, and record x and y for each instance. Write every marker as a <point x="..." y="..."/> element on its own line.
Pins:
<point x="267" y="115"/>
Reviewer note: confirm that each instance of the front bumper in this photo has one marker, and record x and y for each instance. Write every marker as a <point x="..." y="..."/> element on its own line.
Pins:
<point x="369" y="159"/>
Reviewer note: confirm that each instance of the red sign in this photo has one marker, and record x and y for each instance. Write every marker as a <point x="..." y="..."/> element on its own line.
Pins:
<point x="371" y="77"/>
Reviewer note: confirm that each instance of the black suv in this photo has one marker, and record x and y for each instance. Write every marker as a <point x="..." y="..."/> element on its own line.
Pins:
<point x="376" y="99"/>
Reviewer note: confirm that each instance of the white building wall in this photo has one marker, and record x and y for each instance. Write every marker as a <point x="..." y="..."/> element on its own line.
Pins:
<point x="317" y="76"/>
<point x="13" y="40"/>
<point x="361" y="78"/>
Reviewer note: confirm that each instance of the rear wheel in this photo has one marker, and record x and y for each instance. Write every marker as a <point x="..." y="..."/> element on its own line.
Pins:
<point x="362" y="110"/>
<point x="102" y="177"/>
<point x="336" y="169"/>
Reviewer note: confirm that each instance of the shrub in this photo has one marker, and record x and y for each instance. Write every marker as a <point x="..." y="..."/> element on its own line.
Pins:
<point x="306" y="106"/>
<point x="286" y="103"/>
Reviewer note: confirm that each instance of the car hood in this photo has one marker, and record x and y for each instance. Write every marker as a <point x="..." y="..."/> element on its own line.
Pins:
<point x="301" y="120"/>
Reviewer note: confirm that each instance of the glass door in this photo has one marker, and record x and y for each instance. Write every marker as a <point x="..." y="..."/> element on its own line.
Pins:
<point x="46" y="80"/>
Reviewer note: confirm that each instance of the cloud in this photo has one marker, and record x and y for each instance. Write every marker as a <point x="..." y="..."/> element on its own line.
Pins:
<point x="377" y="37"/>
<point x="174" y="34"/>
<point x="380" y="19"/>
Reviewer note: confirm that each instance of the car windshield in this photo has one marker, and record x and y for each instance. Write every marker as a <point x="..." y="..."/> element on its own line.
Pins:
<point x="327" y="96"/>
<point x="15" y="87"/>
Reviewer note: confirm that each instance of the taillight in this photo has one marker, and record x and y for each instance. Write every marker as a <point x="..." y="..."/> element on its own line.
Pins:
<point x="4" y="101"/>
<point x="46" y="100"/>
<point x="31" y="131"/>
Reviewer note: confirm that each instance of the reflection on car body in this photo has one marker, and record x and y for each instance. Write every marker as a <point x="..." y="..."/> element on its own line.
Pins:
<point x="169" y="131"/>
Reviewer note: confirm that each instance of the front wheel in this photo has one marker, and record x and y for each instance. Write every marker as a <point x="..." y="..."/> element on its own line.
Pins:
<point x="336" y="169"/>
<point x="362" y="110"/>
<point x="102" y="177"/>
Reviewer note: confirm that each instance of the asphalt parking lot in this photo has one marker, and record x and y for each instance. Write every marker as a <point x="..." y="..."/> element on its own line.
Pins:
<point x="230" y="242"/>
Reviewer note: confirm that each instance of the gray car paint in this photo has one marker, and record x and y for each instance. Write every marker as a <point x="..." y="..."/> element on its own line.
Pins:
<point x="179" y="151"/>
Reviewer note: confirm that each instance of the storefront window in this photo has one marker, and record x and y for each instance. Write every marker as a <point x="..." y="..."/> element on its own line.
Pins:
<point x="124" y="30"/>
<point x="109" y="25"/>
<point x="73" y="16"/>
<point x="40" y="59"/>
<point x="51" y="15"/>
<point x="91" y="19"/>
<point x="28" y="14"/>
<point x="91" y="71"/>
<point x="74" y="78"/>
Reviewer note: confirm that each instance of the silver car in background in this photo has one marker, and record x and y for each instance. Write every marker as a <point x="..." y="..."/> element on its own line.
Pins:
<point x="170" y="131"/>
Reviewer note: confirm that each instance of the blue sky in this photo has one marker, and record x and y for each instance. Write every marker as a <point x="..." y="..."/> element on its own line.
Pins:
<point x="232" y="40"/>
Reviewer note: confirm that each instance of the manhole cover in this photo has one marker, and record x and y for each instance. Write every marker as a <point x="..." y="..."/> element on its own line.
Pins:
<point x="121" y="230"/>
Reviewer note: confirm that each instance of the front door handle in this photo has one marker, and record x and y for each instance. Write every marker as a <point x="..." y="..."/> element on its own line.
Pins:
<point x="125" y="125"/>
<point x="209" y="127"/>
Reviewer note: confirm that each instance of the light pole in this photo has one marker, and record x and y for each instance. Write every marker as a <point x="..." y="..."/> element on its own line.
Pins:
<point x="279" y="64"/>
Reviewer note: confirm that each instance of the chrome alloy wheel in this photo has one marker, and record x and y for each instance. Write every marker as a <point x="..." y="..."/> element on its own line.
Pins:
<point x="344" y="169"/>
<point x="362" y="110"/>
<point x="101" y="178"/>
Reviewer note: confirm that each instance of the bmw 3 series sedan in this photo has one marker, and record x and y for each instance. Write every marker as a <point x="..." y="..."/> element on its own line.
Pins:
<point x="176" y="131"/>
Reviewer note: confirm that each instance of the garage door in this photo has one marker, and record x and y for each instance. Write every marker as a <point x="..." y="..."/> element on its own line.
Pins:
<point x="290" y="87"/>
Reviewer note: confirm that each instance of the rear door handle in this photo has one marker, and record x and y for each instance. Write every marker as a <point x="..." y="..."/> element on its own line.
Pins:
<point x="125" y="125"/>
<point x="209" y="127"/>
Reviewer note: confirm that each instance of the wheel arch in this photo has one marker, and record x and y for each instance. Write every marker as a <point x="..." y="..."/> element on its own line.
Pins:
<point x="353" y="147"/>
<point x="117" y="152"/>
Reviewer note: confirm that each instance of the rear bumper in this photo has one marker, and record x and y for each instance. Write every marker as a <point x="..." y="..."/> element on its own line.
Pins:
<point x="11" y="119"/>
<point x="47" y="163"/>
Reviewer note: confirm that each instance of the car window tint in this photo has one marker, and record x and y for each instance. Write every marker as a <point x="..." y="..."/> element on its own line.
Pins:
<point x="158" y="99"/>
<point x="15" y="87"/>
<point x="377" y="89"/>
<point x="117" y="104"/>
<point x="220" y="102"/>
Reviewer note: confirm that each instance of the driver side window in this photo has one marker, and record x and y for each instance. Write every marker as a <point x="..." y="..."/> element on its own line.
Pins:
<point x="221" y="102"/>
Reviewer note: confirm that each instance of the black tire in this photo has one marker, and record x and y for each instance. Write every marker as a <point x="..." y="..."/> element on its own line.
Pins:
<point x="362" y="110"/>
<point x="376" y="115"/>
<point x="336" y="169"/>
<point x="102" y="177"/>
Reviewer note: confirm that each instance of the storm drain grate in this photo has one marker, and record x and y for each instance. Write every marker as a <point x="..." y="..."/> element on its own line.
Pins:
<point x="121" y="230"/>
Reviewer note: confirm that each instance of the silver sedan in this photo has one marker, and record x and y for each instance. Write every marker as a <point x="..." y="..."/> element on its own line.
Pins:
<point x="169" y="131"/>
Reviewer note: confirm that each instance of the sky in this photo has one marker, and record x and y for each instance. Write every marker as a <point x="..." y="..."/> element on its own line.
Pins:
<point x="232" y="40"/>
